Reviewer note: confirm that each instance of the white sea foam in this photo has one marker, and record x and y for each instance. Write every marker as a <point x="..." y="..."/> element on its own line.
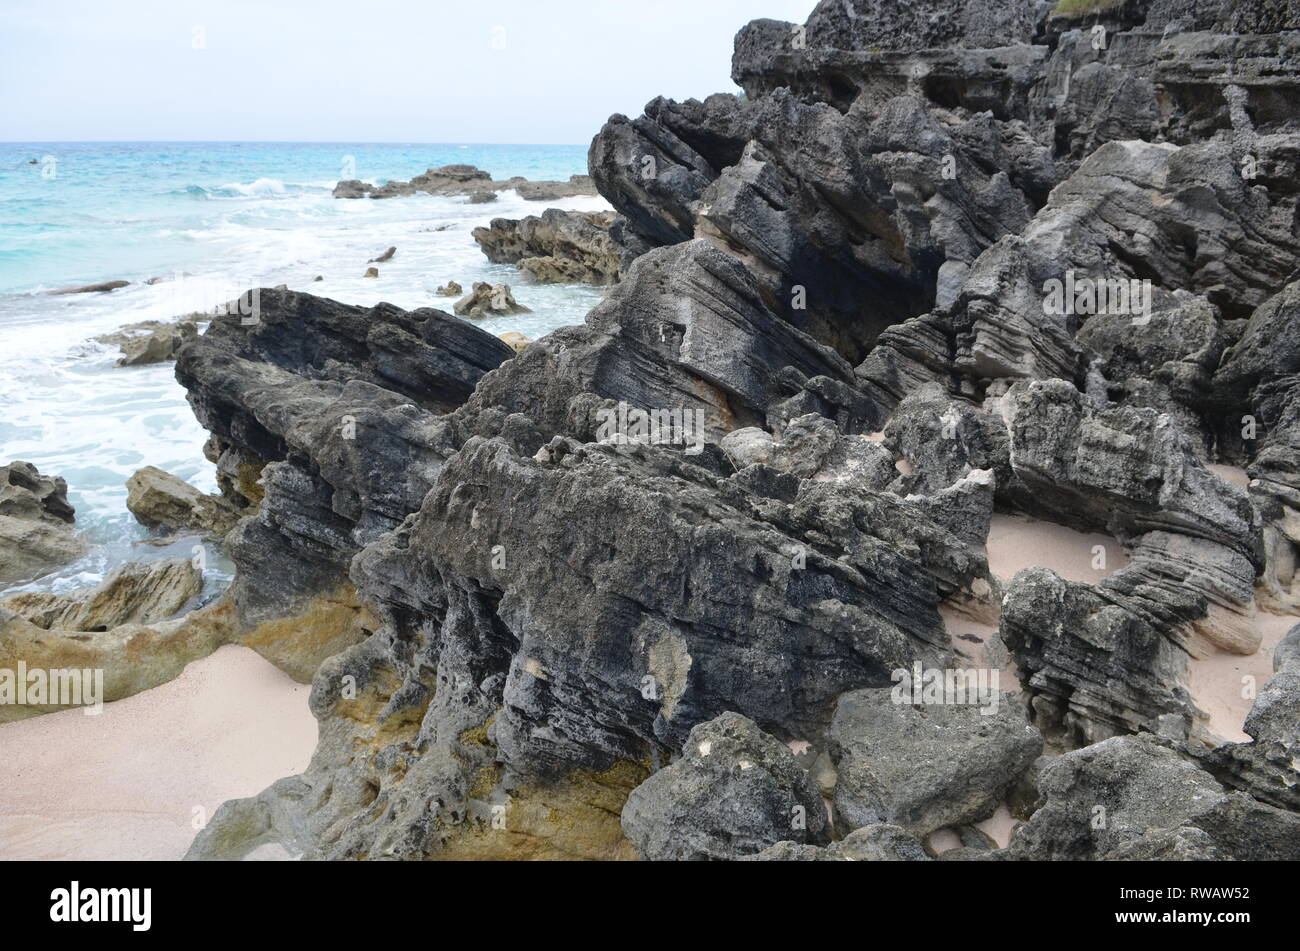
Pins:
<point x="72" y="413"/>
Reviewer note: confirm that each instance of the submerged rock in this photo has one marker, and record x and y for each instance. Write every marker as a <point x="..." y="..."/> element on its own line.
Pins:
<point x="151" y="341"/>
<point x="90" y="288"/>
<point x="466" y="180"/>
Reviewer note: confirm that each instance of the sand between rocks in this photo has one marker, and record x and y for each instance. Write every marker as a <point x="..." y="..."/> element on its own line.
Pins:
<point x="125" y="784"/>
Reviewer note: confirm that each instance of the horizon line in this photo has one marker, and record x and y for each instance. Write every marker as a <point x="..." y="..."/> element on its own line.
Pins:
<point x="272" y="142"/>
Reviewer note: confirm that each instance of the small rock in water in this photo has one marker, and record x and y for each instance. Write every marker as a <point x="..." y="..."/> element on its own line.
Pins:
<point x="450" y="289"/>
<point x="89" y="288"/>
<point x="386" y="256"/>
<point x="371" y="272"/>
<point x="482" y="198"/>
<point x="159" y="499"/>
<point x="487" y="300"/>
<point x="151" y="341"/>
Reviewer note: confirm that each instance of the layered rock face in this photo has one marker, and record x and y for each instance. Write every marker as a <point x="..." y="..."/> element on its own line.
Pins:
<point x="642" y="589"/>
<point x="326" y="419"/>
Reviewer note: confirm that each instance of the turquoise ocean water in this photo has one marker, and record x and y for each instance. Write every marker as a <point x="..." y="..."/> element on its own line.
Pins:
<point x="223" y="215"/>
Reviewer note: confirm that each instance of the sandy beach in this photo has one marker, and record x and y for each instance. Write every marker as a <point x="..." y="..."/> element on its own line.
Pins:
<point x="126" y="784"/>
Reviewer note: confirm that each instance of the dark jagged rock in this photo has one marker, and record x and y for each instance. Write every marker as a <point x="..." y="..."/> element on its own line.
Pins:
<point x="1131" y="798"/>
<point x="1120" y="470"/>
<point x="1161" y="71"/>
<point x="795" y="600"/>
<point x="927" y="766"/>
<point x="654" y="169"/>
<point x="1109" y="658"/>
<point x="1268" y="767"/>
<point x="688" y="329"/>
<point x="1257" y="389"/>
<point x="944" y="439"/>
<point x="335" y="410"/>
<point x="862" y="243"/>
<point x="846" y="218"/>
<point x="735" y="792"/>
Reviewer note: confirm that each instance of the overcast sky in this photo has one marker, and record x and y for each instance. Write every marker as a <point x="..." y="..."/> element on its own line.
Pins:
<point x="511" y="71"/>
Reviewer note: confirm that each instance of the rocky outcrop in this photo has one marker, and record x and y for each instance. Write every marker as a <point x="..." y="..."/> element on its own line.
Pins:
<point x="161" y="500"/>
<point x="750" y="487"/>
<point x="488" y="300"/>
<point x="734" y="792"/>
<point x="325" y="417"/>
<point x="560" y="247"/>
<point x="136" y="593"/>
<point x="928" y="766"/>
<point x="36" y="533"/>
<point x="466" y="180"/>
<point x="133" y="657"/>
<point x="1131" y="798"/>
<point x="1109" y="658"/>
<point x="151" y="341"/>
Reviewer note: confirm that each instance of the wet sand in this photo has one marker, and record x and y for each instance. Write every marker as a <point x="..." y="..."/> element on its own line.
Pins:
<point x="126" y="784"/>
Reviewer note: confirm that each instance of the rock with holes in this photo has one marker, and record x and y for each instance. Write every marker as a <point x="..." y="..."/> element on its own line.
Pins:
<point x="1134" y="798"/>
<point x="734" y="792"/>
<point x="559" y="247"/>
<point x="928" y="765"/>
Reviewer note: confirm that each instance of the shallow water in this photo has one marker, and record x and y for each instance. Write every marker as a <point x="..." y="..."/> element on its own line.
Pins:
<point x="219" y="217"/>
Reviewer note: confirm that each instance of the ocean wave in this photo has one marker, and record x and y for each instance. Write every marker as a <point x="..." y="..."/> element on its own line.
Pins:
<point x="260" y="188"/>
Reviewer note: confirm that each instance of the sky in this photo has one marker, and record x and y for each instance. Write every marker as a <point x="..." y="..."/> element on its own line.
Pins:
<point x="480" y="71"/>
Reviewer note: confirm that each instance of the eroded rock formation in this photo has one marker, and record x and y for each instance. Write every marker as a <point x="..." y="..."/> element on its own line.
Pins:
<point x="933" y="264"/>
